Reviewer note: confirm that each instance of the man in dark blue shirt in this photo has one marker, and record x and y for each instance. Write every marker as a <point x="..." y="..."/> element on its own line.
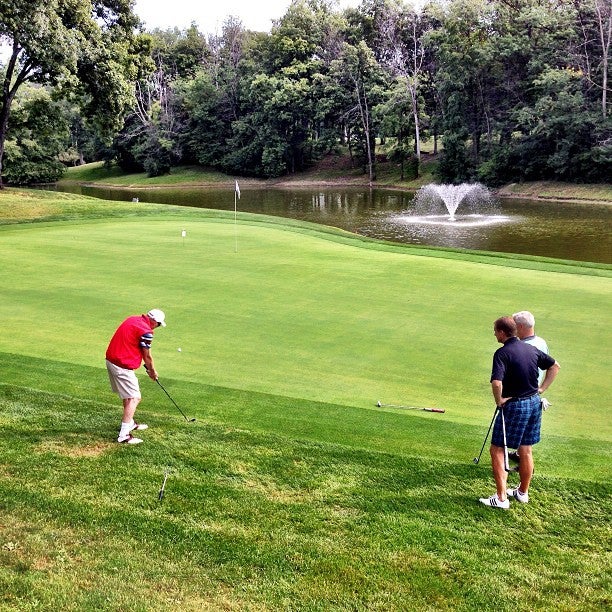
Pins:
<point x="514" y="382"/>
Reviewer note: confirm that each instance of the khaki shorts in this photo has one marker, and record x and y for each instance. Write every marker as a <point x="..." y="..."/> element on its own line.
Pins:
<point x="122" y="381"/>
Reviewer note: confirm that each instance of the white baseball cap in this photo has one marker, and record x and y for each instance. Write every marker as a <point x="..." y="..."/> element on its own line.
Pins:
<point x="158" y="316"/>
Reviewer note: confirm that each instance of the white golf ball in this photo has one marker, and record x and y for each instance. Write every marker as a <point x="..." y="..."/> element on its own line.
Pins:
<point x="178" y="349"/>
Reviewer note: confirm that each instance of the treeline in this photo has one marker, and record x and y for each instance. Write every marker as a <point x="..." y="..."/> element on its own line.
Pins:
<point x="507" y="90"/>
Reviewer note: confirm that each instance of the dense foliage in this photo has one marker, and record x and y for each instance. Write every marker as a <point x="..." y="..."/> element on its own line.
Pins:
<point x="513" y="90"/>
<point x="80" y="49"/>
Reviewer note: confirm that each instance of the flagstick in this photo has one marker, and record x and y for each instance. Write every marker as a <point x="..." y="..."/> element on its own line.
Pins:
<point x="235" y="226"/>
<point x="236" y="198"/>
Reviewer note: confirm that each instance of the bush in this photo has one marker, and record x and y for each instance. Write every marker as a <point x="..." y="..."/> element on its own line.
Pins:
<point x="37" y="135"/>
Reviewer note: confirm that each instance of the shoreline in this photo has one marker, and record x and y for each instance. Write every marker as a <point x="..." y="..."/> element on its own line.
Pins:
<point x="502" y="192"/>
<point x="332" y="173"/>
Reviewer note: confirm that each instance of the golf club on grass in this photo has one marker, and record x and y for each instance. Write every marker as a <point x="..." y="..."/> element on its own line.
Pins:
<point x="176" y="405"/>
<point x="477" y="459"/>
<point x="380" y="405"/>
<point x="163" y="487"/>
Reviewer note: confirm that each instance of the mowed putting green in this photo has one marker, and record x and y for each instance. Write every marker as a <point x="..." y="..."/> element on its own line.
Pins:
<point x="303" y="316"/>
<point x="288" y="335"/>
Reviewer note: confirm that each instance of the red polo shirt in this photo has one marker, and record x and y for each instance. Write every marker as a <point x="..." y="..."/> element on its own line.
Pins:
<point x="133" y="335"/>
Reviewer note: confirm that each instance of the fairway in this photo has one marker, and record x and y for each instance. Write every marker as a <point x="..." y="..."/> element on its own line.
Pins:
<point x="302" y="316"/>
<point x="286" y="344"/>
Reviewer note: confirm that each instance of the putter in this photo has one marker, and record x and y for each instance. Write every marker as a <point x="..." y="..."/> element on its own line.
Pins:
<point x="477" y="459"/>
<point x="409" y="407"/>
<point x="176" y="405"/>
<point x="163" y="487"/>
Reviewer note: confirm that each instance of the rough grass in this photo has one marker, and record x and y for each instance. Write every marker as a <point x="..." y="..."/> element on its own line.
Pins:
<point x="254" y="520"/>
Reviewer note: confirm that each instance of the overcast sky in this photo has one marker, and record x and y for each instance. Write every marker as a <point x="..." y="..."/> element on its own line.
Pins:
<point x="209" y="16"/>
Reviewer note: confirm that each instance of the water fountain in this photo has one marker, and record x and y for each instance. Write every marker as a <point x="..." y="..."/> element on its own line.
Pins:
<point x="450" y="195"/>
<point x="449" y="215"/>
<point x="464" y="205"/>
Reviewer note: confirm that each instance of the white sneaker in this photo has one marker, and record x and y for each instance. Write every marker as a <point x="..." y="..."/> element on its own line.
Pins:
<point x="518" y="495"/>
<point x="129" y="439"/>
<point x="495" y="502"/>
<point x="139" y="426"/>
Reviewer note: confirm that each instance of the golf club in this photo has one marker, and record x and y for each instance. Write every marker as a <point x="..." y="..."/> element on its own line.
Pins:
<point x="506" y="465"/>
<point x="163" y="487"/>
<point x="477" y="459"/>
<point x="176" y="405"/>
<point x="380" y="405"/>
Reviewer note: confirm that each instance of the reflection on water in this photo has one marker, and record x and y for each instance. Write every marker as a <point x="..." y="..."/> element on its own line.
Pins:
<point x="456" y="221"/>
<point x="553" y="229"/>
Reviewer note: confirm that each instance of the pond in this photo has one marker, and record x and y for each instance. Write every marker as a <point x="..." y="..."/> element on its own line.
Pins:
<point x="575" y="231"/>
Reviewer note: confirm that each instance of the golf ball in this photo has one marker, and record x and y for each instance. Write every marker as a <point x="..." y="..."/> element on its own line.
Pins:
<point x="178" y="349"/>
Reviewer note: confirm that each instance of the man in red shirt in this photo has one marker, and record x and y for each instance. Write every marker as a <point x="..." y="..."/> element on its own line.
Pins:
<point x="128" y="348"/>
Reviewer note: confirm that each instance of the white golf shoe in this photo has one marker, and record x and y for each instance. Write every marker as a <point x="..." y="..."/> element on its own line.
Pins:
<point x="495" y="502"/>
<point x="129" y="439"/>
<point x="518" y="495"/>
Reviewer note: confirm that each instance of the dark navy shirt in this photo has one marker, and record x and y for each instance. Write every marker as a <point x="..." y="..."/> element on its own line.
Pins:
<point x="516" y="365"/>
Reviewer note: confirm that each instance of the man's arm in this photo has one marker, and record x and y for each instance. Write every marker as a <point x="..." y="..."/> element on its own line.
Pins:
<point x="496" y="387"/>
<point x="551" y="374"/>
<point x="148" y="363"/>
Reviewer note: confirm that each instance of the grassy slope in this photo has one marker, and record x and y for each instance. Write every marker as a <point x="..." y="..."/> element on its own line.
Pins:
<point x="261" y="521"/>
<point x="334" y="171"/>
<point x="291" y="489"/>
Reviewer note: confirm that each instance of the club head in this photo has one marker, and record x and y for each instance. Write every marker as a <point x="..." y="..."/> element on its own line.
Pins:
<point x="378" y="403"/>
<point x="475" y="459"/>
<point x="192" y="420"/>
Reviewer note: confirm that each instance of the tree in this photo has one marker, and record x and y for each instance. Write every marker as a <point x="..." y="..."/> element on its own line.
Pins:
<point x="394" y="118"/>
<point x="558" y="130"/>
<point x="595" y="24"/>
<point x="402" y="33"/>
<point x="37" y="135"/>
<point x="267" y="91"/>
<point x="465" y="83"/>
<point x="84" y="46"/>
<point x="358" y="70"/>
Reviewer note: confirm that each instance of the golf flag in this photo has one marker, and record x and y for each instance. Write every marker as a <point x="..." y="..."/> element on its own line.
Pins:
<point x="236" y="198"/>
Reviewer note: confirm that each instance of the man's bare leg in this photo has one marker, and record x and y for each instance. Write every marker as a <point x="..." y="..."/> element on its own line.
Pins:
<point x="525" y="467"/>
<point x="499" y="473"/>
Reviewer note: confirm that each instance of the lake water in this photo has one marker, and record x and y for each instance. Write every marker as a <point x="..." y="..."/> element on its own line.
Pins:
<point x="580" y="232"/>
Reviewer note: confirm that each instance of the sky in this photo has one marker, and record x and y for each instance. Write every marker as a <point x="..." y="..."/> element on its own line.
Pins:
<point x="209" y="16"/>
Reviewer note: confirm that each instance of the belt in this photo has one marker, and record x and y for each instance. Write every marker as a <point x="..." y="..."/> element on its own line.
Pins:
<point x="524" y="397"/>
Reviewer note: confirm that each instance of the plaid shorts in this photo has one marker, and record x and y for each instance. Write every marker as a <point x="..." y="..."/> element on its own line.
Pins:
<point x="523" y="419"/>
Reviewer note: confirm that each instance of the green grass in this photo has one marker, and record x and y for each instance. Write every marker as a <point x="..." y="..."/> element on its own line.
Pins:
<point x="291" y="490"/>
<point x="600" y="192"/>
<point x="97" y="172"/>
<point x="335" y="170"/>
